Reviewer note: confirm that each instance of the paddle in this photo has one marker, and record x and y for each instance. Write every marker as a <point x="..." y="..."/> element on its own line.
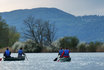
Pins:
<point x="26" y="57"/>
<point x="0" y="59"/>
<point x="56" y="58"/>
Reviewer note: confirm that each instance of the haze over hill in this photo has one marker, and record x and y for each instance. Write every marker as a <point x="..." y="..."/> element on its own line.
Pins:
<point x="86" y="28"/>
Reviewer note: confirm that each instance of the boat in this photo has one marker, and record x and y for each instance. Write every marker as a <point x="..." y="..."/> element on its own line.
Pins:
<point x="14" y="58"/>
<point x="64" y="59"/>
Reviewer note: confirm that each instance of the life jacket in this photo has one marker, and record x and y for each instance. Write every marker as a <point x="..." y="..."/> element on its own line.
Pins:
<point x="20" y="52"/>
<point x="7" y="53"/>
<point x="66" y="53"/>
<point x="60" y="52"/>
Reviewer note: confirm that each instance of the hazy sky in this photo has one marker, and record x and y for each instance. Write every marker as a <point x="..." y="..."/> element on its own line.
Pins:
<point x="75" y="7"/>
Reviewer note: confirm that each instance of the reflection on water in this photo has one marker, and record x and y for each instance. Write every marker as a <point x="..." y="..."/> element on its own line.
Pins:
<point x="44" y="61"/>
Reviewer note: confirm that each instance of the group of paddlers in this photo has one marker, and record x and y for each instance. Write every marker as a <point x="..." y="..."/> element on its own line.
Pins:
<point x="64" y="53"/>
<point x="7" y="53"/>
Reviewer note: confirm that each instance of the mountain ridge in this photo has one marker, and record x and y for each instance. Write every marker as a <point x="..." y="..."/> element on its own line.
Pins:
<point x="86" y="28"/>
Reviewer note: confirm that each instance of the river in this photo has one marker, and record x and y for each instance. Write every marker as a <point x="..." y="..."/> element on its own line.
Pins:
<point x="44" y="61"/>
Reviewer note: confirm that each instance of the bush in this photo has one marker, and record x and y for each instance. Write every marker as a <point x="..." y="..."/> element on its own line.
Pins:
<point x="91" y="47"/>
<point x="31" y="46"/>
<point x="82" y="47"/>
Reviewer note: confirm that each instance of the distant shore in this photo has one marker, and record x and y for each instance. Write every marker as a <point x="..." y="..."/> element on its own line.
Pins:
<point x="2" y="50"/>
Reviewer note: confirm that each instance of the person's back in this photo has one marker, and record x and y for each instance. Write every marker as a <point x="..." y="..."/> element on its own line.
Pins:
<point x="20" y="52"/>
<point x="7" y="53"/>
<point x="60" y="52"/>
<point x="66" y="53"/>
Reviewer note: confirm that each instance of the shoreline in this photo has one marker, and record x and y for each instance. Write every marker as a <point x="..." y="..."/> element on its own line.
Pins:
<point x="57" y="52"/>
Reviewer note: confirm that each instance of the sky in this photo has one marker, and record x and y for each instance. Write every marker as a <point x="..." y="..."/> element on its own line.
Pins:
<point x="75" y="7"/>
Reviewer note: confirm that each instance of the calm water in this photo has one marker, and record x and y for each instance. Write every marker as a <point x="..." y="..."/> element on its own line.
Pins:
<point x="44" y="61"/>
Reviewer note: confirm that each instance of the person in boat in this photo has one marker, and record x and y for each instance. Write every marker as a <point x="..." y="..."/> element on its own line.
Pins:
<point x="60" y="52"/>
<point x="20" y="53"/>
<point x="66" y="53"/>
<point x="7" y="53"/>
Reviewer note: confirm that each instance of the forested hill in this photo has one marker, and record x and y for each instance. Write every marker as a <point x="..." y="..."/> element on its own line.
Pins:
<point x="86" y="28"/>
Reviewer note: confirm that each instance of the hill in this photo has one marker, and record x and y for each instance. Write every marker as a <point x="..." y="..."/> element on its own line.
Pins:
<point x="86" y="28"/>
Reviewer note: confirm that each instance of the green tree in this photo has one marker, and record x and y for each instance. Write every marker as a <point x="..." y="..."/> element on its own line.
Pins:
<point x="4" y="31"/>
<point x="8" y="35"/>
<point x="13" y="35"/>
<point x="69" y="42"/>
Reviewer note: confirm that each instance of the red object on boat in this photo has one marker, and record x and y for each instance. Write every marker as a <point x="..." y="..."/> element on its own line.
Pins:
<point x="0" y="59"/>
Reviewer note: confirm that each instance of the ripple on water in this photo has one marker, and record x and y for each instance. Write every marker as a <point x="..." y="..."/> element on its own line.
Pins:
<point x="44" y="61"/>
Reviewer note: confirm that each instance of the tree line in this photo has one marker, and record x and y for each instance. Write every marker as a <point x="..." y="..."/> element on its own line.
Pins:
<point x="75" y="45"/>
<point x="39" y="36"/>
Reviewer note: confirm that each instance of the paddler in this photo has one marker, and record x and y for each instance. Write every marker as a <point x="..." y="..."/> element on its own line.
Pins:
<point x="7" y="53"/>
<point x="66" y="53"/>
<point x="20" y="53"/>
<point x="60" y="52"/>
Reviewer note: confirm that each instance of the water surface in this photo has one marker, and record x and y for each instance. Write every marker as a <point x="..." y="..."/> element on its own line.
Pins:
<point x="44" y="61"/>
